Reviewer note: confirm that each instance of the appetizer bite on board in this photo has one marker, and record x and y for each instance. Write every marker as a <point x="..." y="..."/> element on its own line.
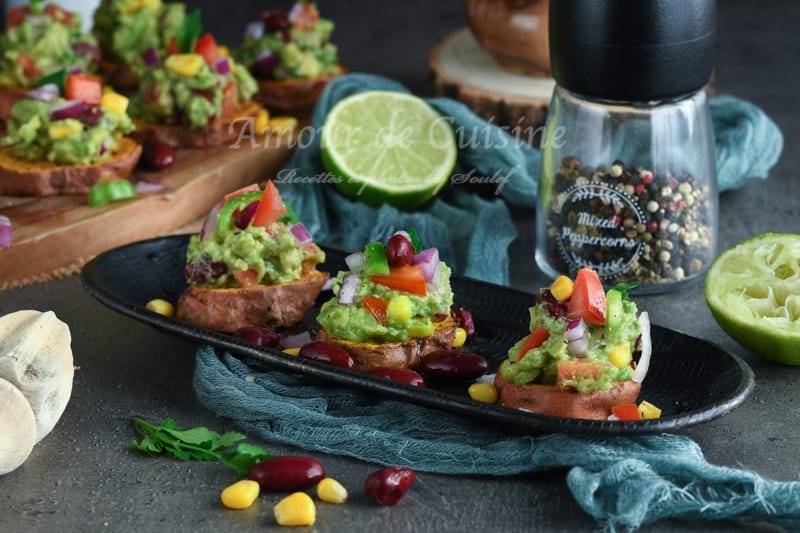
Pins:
<point x="291" y="56"/>
<point x="392" y="307"/>
<point x="131" y="31"/>
<point x="253" y="264"/>
<point x="64" y="140"/>
<point x="40" y="41"/>
<point x="577" y="361"/>
<point x="192" y="97"/>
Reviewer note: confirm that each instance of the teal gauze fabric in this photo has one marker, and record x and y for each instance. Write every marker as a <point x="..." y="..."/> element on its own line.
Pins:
<point x="622" y="482"/>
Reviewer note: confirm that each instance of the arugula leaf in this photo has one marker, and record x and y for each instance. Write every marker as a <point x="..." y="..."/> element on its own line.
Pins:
<point x="198" y="443"/>
<point x="188" y="33"/>
<point x="623" y="288"/>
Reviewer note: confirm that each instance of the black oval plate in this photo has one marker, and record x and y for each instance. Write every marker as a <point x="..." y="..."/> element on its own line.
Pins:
<point x="691" y="380"/>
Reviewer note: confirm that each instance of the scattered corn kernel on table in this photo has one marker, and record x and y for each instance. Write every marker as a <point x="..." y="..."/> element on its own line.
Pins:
<point x="83" y="477"/>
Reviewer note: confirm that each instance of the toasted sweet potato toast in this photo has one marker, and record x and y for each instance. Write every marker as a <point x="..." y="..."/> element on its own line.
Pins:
<point x="228" y="310"/>
<point x="217" y="133"/>
<point x="296" y="97"/>
<point x="565" y="402"/>
<point x="19" y="177"/>
<point x="368" y="355"/>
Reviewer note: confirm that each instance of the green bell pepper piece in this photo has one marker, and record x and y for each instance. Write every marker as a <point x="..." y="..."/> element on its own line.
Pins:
<point x="375" y="255"/>
<point x="225" y="217"/>
<point x="110" y="191"/>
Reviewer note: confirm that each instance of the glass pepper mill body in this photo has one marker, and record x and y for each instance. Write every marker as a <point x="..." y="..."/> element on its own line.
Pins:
<point x="627" y="183"/>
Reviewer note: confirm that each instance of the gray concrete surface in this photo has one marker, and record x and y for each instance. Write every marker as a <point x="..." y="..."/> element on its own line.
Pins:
<point x="83" y="478"/>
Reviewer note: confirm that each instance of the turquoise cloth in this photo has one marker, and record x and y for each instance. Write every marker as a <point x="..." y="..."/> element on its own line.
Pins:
<point x="620" y="481"/>
<point x="471" y="231"/>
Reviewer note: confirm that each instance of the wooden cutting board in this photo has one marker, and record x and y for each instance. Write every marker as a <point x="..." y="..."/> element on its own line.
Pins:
<point x="56" y="236"/>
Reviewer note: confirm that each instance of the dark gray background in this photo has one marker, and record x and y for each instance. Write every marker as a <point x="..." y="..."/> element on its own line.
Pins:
<point x="83" y="478"/>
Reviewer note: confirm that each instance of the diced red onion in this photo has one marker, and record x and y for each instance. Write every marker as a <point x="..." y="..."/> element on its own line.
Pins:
<point x="86" y="49"/>
<point x="294" y="341"/>
<point x="103" y="149"/>
<point x="222" y="66"/>
<point x="577" y="339"/>
<point x="38" y="20"/>
<point x="613" y="418"/>
<point x="647" y="349"/>
<point x="210" y="223"/>
<point x="486" y="378"/>
<point x="145" y="186"/>
<point x="348" y="289"/>
<point x="328" y="285"/>
<point x="265" y="64"/>
<point x="355" y="262"/>
<point x="254" y="30"/>
<point x="428" y="259"/>
<point x="295" y="12"/>
<point x="300" y="233"/>
<point x="151" y="57"/>
<point x="5" y="232"/>
<point x="68" y="109"/>
<point x="45" y="93"/>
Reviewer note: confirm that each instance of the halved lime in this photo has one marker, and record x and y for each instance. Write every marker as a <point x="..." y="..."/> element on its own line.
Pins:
<point x="388" y="147"/>
<point x="753" y="291"/>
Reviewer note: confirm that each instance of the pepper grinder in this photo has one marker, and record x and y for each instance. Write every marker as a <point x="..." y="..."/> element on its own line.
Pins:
<point x="628" y="182"/>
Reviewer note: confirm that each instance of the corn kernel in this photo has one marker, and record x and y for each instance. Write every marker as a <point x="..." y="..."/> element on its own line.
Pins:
<point x="224" y="51"/>
<point x="261" y="123"/>
<point x="331" y="491"/>
<point x="282" y="125"/>
<point x="297" y="509"/>
<point x="483" y="392"/>
<point x="421" y="329"/>
<point x="160" y="306"/>
<point x="114" y="102"/>
<point x="561" y="288"/>
<point x="185" y="64"/>
<point x="649" y="411"/>
<point x="620" y="356"/>
<point x="241" y="494"/>
<point x="64" y="128"/>
<point x="398" y="310"/>
<point x="460" y="338"/>
<point x="291" y="351"/>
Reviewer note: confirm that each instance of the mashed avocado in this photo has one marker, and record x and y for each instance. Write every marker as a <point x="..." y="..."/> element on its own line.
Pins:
<point x="273" y="253"/>
<point x="126" y="28"/>
<point x="169" y="97"/>
<point x="70" y="141"/>
<point x="355" y="323"/>
<point x="303" y="49"/>
<point x="540" y="365"/>
<point x="44" y="43"/>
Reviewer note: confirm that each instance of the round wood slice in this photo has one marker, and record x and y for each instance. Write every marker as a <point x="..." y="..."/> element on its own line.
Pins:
<point x="462" y="70"/>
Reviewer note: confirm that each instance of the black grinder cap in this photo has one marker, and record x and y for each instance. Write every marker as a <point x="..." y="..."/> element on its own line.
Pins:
<point x="632" y="50"/>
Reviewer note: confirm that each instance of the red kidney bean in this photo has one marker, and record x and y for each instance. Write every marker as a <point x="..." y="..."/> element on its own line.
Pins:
<point x="388" y="485"/>
<point x="261" y="336"/>
<point x="399" y="375"/>
<point x="453" y="365"/>
<point x="325" y="352"/>
<point x="287" y="472"/>
<point x="243" y="217"/>
<point x="399" y="250"/>
<point x="157" y="156"/>
<point x="463" y="319"/>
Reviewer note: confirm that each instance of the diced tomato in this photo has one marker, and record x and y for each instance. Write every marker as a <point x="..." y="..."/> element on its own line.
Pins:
<point x="246" y="278"/>
<point x="81" y="86"/>
<point x="626" y="411"/>
<point x="376" y="307"/>
<point x="270" y="208"/>
<point x="16" y="15"/>
<point x="588" y="300"/>
<point x="207" y="47"/>
<point x="58" y="14"/>
<point x="29" y="68"/>
<point x="172" y="46"/>
<point x="578" y="369"/>
<point x="304" y="15"/>
<point x="239" y="192"/>
<point x="534" y="340"/>
<point x="404" y="278"/>
<point x="229" y="100"/>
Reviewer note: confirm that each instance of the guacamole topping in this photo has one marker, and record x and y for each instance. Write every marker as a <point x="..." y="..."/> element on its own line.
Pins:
<point x="40" y="41"/>
<point x="126" y="28"/>
<point x="540" y="364"/>
<point x="407" y="314"/>
<point x="281" y="46"/>
<point x="89" y="138"/>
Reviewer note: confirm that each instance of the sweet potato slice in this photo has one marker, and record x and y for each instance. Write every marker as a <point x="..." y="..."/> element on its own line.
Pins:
<point x="227" y="310"/>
